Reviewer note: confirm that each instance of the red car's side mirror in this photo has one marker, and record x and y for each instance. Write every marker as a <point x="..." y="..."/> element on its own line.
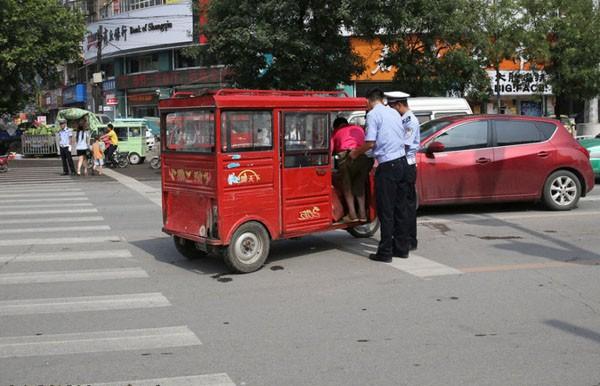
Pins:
<point x="435" y="147"/>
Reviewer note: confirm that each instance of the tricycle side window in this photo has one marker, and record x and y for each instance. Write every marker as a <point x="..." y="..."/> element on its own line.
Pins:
<point x="190" y="131"/>
<point x="306" y="139"/>
<point x="246" y="130"/>
<point x="121" y="133"/>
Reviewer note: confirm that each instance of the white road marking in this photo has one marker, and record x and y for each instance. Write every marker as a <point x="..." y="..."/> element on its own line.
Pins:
<point x="46" y="211"/>
<point x="368" y="245"/>
<point x="591" y="198"/>
<point x="61" y="205"/>
<point x="101" y="341"/>
<point x="56" y="229"/>
<point x="43" y="193"/>
<point x="422" y="267"/>
<point x="30" y="184"/>
<point x="497" y="217"/>
<point x="149" y="192"/>
<point x="45" y="199"/>
<point x="192" y="380"/>
<point x="64" y="256"/>
<point x="82" y="304"/>
<point x="33" y="177"/>
<point x="71" y="276"/>
<point x="59" y="240"/>
<point x="51" y="220"/>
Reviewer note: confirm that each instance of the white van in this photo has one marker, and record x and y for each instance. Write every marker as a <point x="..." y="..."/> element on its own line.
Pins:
<point x="426" y="109"/>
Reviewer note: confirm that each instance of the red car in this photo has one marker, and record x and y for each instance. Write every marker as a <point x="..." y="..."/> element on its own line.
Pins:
<point x="494" y="158"/>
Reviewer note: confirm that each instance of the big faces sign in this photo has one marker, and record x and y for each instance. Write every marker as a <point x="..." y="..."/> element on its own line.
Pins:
<point x="140" y="29"/>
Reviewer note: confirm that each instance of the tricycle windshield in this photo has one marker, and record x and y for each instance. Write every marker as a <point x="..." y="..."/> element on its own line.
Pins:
<point x="190" y="131"/>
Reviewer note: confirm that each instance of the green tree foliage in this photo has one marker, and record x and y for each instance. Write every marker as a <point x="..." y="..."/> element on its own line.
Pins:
<point x="572" y="54"/>
<point x="432" y="44"/>
<point x="283" y="44"/>
<point x="35" y="36"/>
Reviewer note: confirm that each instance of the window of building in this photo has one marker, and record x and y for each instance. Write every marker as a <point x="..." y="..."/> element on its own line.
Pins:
<point x="306" y="139"/>
<point x="142" y="63"/>
<point x="472" y="135"/>
<point x="516" y="132"/>
<point x="246" y="130"/>
<point x="139" y="4"/>
<point x="191" y="131"/>
<point x="184" y="61"/>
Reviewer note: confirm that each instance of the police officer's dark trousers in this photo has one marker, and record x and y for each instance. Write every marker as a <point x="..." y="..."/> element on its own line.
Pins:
<point x="391" y="194"/>
<point x="411" y="204"/>
<point x="67" y="160"/>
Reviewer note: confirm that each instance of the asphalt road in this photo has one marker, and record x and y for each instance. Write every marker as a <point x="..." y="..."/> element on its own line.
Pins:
<point x="495" y="295"/>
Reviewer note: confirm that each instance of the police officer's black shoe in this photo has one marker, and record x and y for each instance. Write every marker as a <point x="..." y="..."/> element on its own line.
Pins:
<point x="413" y="247"/>
<point x="383" y="259"/>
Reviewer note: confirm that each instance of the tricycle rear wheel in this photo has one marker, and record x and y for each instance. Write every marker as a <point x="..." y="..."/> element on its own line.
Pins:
<point x="248" y="249"/>
<point x="364" y="231"/>
<point x="187" y="248"/>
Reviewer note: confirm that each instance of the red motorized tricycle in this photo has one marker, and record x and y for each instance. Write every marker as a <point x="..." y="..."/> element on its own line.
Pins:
<point x="242" y="167"/>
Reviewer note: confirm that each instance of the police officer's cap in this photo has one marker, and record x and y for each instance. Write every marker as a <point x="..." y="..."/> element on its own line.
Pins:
<point x="395" y="96"/>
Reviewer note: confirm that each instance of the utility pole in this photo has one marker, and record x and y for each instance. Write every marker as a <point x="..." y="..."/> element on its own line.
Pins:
<point x="98" y="86"/>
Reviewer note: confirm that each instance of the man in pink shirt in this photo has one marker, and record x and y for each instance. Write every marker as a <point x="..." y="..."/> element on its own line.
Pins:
<point x="353" y="173"/>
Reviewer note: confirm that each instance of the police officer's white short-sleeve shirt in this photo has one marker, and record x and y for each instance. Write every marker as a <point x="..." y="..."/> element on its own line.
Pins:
<point x="413" y="136"/>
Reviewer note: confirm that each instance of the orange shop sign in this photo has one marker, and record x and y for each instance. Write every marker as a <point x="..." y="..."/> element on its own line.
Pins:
<point x="373" y="52"/>
<point x="142" y="99"/>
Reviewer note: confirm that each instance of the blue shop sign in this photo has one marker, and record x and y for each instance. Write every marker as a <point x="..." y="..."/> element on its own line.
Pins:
<point x="109" y="85"/>
<point x="74" y="94"/>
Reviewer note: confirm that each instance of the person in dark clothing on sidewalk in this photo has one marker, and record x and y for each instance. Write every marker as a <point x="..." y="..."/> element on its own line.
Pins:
<point x="65" y="139"/>
<point x="386" y="136"/>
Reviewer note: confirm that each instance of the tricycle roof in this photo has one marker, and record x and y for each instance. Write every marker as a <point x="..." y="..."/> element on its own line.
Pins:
<point x="261" y="99"/>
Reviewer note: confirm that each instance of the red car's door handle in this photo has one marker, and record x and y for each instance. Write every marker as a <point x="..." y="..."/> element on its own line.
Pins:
<point x="543" y="154"/>
<point x="321" y="172"/>
<point x="483" y="160"/>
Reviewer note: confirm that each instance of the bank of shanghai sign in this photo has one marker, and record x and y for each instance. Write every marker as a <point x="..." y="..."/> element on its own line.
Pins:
<point x="520" y="83"/>
<point x="148" y="27"/>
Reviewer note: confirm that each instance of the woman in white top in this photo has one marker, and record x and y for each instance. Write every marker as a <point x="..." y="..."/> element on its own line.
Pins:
<point x="82" y="137"/>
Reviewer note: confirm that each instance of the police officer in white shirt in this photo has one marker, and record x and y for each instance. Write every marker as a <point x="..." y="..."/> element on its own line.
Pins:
<point x="65" y="139"/>
<point x="386" y="136"/>
<point x="398" y="101"/>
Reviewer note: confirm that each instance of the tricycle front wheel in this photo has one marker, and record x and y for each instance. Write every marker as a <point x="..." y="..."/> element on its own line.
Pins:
<point x="248" y="249"/>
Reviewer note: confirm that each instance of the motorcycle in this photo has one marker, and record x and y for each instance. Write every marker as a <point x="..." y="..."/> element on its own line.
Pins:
<point x="119" y="159"/>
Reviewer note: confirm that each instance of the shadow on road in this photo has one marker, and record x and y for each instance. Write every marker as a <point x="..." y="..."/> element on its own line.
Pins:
<point x="163" y="249"/>
<point x="575" y="330"/>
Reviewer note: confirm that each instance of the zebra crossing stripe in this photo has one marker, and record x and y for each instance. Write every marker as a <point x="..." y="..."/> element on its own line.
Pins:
<point x="42" y="193"/>
<point x="61" y="205"/>
<point x="100" y="341"/>
<point x="51" y="220"/>
<point x="59" y="241"/>
<point x="65" y="256"/>
<point x="82" y="304"/>
<point x="57" y="229"/>
<point x="71" y="276"/>
<point x="45" y="199"/>
<point x="46" y="211"/>
<point x="221" y="379"/>
<point x="422" y="267"/>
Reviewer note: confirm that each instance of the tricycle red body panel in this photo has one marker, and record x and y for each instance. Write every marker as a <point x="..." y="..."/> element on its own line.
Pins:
<point x="268" y="160"/>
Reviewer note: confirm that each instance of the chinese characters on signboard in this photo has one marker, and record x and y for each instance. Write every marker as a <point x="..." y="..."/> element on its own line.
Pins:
<point x="520" y="82"/>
